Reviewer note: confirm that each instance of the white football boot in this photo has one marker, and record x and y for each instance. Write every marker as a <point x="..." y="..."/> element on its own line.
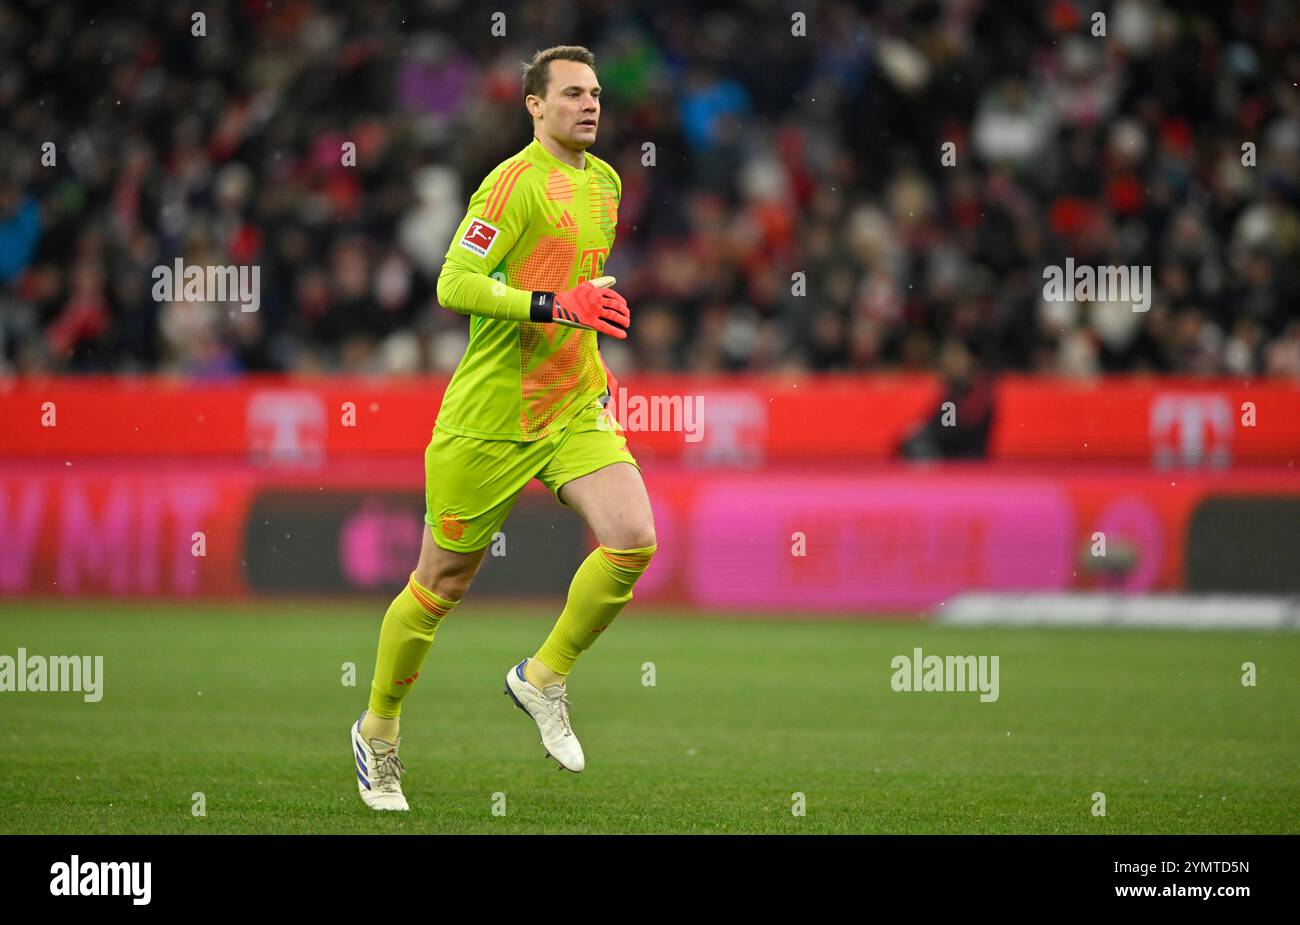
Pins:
<point x="550" y="710"/>
<point x="379" y="770"/>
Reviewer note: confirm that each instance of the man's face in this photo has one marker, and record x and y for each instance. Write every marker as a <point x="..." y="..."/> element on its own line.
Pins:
<point x="571" y="111"/>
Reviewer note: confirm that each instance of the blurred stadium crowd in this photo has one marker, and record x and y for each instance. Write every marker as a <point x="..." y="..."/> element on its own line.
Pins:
<point x="774" y="154"/>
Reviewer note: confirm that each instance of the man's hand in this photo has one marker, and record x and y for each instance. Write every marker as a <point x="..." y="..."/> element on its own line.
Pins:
<point x="591" y="304"/>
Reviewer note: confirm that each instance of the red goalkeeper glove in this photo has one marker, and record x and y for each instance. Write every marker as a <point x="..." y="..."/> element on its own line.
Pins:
<point x="590" y="304"/>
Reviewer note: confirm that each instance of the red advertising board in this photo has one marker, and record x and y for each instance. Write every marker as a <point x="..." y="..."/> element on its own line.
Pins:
<point x="769" y="493"/>
<point x="1167" y="423"/>
<point x="695" y="420"/>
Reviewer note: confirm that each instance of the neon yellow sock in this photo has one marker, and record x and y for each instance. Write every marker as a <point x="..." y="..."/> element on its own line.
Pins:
<point x="404" y="640"/>
<point x="600" y="589"/>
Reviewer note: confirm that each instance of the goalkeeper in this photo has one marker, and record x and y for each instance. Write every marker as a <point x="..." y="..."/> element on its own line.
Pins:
<point x="526" y="401"/>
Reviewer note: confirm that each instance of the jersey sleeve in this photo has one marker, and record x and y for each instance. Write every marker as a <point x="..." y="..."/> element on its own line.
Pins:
<point x="496" y="219"/>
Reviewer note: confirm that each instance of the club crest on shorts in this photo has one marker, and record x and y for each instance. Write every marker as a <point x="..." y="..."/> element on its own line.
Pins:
<point x="452" y="527"/>
<point x="478" y="237"/>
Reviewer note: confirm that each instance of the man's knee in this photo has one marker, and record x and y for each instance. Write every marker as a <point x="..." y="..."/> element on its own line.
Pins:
<point x="636" y="536"/>
<point x="450" y="586"/>
<point x="448" y="575"/>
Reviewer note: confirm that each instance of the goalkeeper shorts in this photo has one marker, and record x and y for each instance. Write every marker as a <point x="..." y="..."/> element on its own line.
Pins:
<point x="471" y="484"/>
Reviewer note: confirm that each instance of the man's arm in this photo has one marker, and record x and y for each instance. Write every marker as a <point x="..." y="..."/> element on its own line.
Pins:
<point x="498" y="215"/>
<point x="472" y="293"/>
<point x="496" y="218"/>
<point x="590" y="304"/>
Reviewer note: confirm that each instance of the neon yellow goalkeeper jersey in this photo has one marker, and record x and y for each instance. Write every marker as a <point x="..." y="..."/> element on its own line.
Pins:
<point x="535" y="224"/>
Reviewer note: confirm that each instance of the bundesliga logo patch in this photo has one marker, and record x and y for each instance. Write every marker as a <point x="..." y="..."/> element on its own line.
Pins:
<point x="478" y="237"/>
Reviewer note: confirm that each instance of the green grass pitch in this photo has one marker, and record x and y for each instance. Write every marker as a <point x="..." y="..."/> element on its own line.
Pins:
<point x="245" y="704"/>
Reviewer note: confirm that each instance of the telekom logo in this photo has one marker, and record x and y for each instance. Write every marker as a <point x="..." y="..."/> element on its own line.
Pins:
<point x="1191" y="430"/>
<point x="737" y="431"/>
<point x="286" y="428"/>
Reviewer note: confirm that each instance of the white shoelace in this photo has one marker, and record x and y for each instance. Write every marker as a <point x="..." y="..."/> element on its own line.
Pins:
<point x="564" y="703"/>
<point x="388" y="772"/>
